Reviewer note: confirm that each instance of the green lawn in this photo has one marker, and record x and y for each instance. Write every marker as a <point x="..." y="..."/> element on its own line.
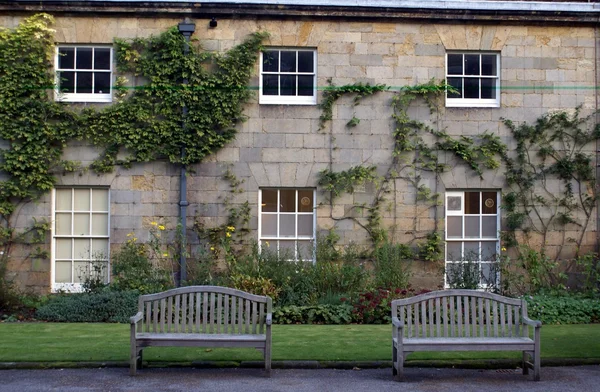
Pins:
<point x="55" y="342"/>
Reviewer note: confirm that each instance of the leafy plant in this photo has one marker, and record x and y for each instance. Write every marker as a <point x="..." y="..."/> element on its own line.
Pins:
<point x="316" y="314"/>
<point x="392" y="266"/>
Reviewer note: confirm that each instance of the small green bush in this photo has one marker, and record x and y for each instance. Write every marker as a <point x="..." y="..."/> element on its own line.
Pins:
<point x="318" y="314"/>
<point x="564" y="309"/>
<point x="103" y="306"/>
<point x="392" y="268"/>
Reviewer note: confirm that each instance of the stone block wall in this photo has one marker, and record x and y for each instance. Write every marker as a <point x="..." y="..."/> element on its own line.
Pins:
<point x="542" y="69"/>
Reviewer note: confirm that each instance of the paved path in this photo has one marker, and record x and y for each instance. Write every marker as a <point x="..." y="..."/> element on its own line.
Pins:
<point x="559" y="379"/>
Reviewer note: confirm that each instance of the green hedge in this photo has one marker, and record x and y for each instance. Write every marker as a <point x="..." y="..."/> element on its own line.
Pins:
<point x="317" y="314"/>
<point x="567" y="309"/>
<point x="104" y="306"/>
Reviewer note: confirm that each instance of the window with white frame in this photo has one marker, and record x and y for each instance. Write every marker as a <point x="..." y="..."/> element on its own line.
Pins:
<point x="287" y="222"/>
<point x="288" y="76"/>
<point x="472" y="238"/>
<point x="83" y="73"/>
<point x="475" y="78"/>
<point x="80" y="236"/>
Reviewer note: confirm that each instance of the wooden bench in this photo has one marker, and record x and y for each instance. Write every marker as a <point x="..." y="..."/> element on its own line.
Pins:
<point x="201" y="316"/>
<point x="463" y="320"/>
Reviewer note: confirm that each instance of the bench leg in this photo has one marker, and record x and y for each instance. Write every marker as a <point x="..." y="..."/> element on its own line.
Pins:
<point x="133" y="360"/>
<point x="139" y="358"/>
<point x="536" y="364"/>
<point x="394" y="360"/>
<point x="525" y="365"/>
<point x="268" y="360"/>
<point x="399" y="364"/>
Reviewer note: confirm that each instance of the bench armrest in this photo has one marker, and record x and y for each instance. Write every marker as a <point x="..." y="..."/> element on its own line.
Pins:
<point x="397" y="329"/>
<point x="269" y="319"/>
<point x="533" y="323"/>
<point x="397" y="322"/>
<point x="135" y="319"/>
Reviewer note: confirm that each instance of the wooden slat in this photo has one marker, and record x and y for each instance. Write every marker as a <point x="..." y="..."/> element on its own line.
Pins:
<point x="148" y="316"/>
<point x="438" y="323"/>
<point x="254" y="316"/>
<point x="240" y="315"/>
<point x="452" y="318"/>
<point x="481" y="319"/>
<point x="488" y="321"/>
<point x="205" y="313"/>
<point x="261" y="318"/>
<point x="247" y="330"/>
<point x="416" y="316"/>
<point x="459" y="318"/>
<point x="495" y="309"/>
<point x="211" y="326"/>
<point x="517" y="321"/>
<point x="424" y="318"/>
<point x="198" y="312"/>
<point x="510" y="320"/>
<point x="402" y="318"/>
<point x="177" y="312"/>
<point x="170" y="315"/>
<point x="233" y="313"/>
<point x="446" y="321"/>
<point x="467" y="315"/>
<point x="474" y="323"/>
<point x="163" y="315"/>
<point x="190" y="322"/>
<point x="431" y="320"/>
<point x="227" y="299"/>
<point x="502" y="318"/>
<point x="219" y="312"/>
<point x="183" y="314"/>
<point x="155" y="316"/>
<point x="409" y="320"/>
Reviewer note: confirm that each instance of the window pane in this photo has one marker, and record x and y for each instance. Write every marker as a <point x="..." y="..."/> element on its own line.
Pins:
<point x="306" y="61"/>
<point x="82" y="199"/>
<point x="471" y="202"/>
<point x="66" y="82"/>
<point x="472" y="64"/>
<point x="489" y="273"/>
<point x="488" y="65"/>
<point x="101" y="83"/>
<point x="62" y="272"/>
<point x="488" y="88"/>
<point x="84" y="82"/>
<point x="306" y="85"/>
<point x="453" y="251"/>
<point x="454" y="203"/>
<point x="454" y="226"/>
<point x="472" y="226"/>
<point x="288" y="61"/>
<point x="269" y="200"/>
<point x="99" y="249"/>
<point x="305" y="201"/>
<point x="455" y="64"/>
<point x="81" y="249"/>
<point x="84" y="58"/>
<point x="288" y="84"/>
<point x="63" y="199"/>
<point x="81" y="270"/>
<point x="100" y="199"/>
<point x="489" y="226"/>
<point x="81" y="224"/>
<point x="270" y="85"/>
<point x="305" y="225"/>
<point x="488" y="251"/>
<point x="287" y="199"/>
<point x="66" y="58"/>
<point x="456" y="83"/>
<point x="305" y="250"/>
<point x="489" y="200"/>
<point x="63" y="224"/>
<point x="102" y="58"/>
<point x="63" y="248"/>
<point x="471" y="87"/>
<point x="269" y="225"/>
<point x="471" y="251"/>
<point x="287" y="250"/>
<point x="271" y="61"/>
<point x="99" y="224"/>
<point x="287" y="225"/>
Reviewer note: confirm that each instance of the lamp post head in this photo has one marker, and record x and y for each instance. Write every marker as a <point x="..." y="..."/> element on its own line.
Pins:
<point x="213" y="23"/>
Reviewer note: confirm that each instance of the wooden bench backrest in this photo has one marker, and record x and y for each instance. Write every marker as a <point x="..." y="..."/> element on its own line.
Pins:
<point x="461" y="313"/>
<point x="204" y="309"/>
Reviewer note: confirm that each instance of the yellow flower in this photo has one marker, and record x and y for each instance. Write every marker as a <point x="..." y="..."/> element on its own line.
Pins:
<point x="134" y="239"/>
<point x="267" y="243"/>
<point x="212" y="248"/>
<point x="165" y="254"/>
<point x="230" y="228"/>
<point x="153" y="223"/>
<point x="129" y="234"/>
<point x="503" y="249"/>
<point x="161" y="227"/>
<point x="228" y="235"/>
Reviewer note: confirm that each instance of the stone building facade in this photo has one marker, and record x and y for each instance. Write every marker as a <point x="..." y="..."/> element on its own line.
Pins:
<point x="544" y="56"/>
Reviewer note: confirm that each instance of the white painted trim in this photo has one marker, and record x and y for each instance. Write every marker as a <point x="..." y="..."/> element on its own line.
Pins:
<point x="286" y="99"/>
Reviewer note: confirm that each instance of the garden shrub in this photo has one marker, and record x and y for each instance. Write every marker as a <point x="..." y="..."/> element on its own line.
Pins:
<point x="318" y="314"/>
<point x="104" y="306"/>
<point x="374" y="307"/>
<point x="563" y="309"/>
<point x="392" y="269"/>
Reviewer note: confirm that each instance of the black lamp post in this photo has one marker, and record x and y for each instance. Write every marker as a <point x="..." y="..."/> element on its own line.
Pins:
<point x="186" y="28"/>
